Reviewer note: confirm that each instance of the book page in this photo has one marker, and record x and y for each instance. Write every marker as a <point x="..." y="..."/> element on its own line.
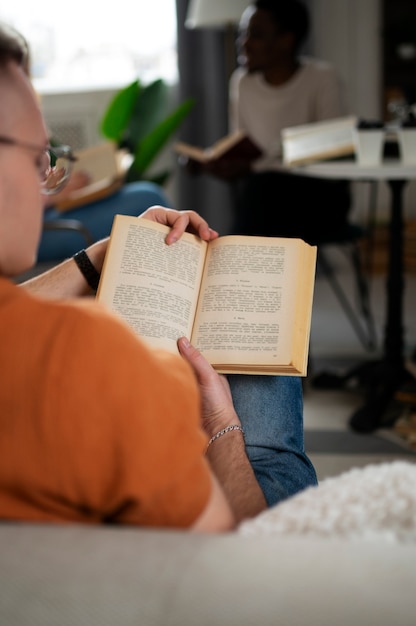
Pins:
<point x="305" y="285"/>
<point x="235" y="146"/>
<point x="99" y="161"/>
<point x="221" y="146"/>
<point x="153" y="286"/>
<point x="103" y="163"/>
<point x="248" y="302"/>
<point x="318" y="140"/>
<point x="193" y="152"/>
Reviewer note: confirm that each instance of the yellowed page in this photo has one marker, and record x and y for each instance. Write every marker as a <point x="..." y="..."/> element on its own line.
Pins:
<point x="247" y="311"/>
<point x="303" y="316"/>
<point x="225" y="143"/>
<point x="319" y="140"/>
<point x="215" y="151"/>
<point x="99" y="161"/>
<point x="153" y="286"/>
<point x="192" y="152"/>
<point x="103" y="164"/>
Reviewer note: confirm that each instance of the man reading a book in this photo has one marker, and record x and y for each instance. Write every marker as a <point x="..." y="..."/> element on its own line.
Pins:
<point x="97" y="428"/>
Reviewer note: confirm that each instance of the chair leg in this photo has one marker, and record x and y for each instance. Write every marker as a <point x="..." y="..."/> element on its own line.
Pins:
<point x="366" y="334"/>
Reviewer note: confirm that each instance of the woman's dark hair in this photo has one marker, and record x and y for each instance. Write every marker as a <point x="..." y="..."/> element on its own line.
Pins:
<point x="13" y="46"/>
<point x="291" y="16"/>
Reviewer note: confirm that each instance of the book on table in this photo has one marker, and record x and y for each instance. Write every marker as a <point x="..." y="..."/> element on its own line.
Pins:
<point x="237" y="145"/>
<point x="244" y="301"/>
<point x="308" y="143"/>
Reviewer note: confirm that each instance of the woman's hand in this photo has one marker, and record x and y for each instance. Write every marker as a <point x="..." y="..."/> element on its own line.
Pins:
<point x="229" y="169"/>
<point x="217" y="405"/>
<point x="180" y="221"/>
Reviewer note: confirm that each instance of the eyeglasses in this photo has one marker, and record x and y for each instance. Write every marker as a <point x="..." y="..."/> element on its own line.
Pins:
<point x="54" y="166"/>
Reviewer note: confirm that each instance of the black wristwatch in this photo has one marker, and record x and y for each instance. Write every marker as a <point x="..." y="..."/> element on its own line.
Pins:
<point x="87" y="269"/>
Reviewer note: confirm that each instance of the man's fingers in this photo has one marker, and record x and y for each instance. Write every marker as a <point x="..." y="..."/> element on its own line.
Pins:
<point x="190" y="221"/>
<point x="200" y="365"/>
<point x="180" y="221"/>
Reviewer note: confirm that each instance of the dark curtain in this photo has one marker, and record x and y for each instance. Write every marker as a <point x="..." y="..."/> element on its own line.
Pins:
<point x="203" y="76"/>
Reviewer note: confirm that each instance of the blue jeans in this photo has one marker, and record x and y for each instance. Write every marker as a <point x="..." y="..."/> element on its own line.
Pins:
<point x="97" y="217"/>
<point x="271" y="412"/>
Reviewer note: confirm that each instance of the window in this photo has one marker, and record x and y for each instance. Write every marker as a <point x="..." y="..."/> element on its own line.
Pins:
<point x="89" y="45"/>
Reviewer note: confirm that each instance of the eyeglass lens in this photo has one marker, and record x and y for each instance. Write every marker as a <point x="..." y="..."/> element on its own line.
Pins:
<point x="56" y="168"/>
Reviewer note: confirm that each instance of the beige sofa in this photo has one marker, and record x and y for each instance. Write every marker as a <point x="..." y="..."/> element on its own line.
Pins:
<point x="84" y="576"/>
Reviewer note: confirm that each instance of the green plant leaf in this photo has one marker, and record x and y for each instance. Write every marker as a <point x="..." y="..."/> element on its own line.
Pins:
<point x="119" y="111"/>
<point x="161" y="178"/>
<point x="148" y="111"/>
<point x="136" y="120"/>
<point x="154" y="141"/>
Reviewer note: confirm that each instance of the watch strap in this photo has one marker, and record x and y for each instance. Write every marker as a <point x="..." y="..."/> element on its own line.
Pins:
<point x="87" y="269"/>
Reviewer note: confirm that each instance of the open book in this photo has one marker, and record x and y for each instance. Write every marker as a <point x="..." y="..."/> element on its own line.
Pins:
<point x="245" y="302"/>
<point x="104" y="164"/>
<point x="318" y="141"/>
<point x="237" y="145"/>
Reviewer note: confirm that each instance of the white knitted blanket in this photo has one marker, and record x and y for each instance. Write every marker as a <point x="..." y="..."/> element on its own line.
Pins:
<point x="376" y="502"/>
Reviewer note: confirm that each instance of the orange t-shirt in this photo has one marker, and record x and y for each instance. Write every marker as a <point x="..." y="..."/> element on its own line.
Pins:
<point x="95" y="427"/>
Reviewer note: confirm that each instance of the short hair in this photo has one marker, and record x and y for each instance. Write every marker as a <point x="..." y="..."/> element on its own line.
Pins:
<point x="290" y="16"/>
<point x="13" y="47"/>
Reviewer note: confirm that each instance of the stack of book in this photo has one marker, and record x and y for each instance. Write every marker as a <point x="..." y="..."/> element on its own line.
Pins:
<point x="308" y="143"/>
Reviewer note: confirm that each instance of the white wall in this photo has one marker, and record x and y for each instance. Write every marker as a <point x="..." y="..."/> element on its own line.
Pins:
<point x="348" y="33"/>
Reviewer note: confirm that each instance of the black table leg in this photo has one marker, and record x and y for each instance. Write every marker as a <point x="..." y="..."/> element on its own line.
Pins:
<point x="382" y="378"/>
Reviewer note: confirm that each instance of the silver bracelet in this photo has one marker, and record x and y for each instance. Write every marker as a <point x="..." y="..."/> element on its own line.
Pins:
<point x="222" y="432"/>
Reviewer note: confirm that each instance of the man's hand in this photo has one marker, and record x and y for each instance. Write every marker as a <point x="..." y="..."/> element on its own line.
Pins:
<point x="226" y="455"/>
<point x="66" y="281"/>
<point x="180" y="221"/>
<point x="217" y="404"/>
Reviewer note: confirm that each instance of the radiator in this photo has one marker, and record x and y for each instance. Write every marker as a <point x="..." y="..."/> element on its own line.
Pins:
<point x="72" y="133"/>
<point x="74" y="118"/>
